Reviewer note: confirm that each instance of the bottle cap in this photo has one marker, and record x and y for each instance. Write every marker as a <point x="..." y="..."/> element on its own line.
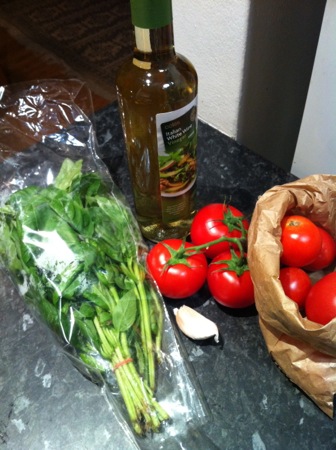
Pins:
<point x="151" y="14"/>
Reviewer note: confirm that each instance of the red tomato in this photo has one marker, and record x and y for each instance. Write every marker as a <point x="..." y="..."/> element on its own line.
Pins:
<point x="176" y="278"/>
<point x="327" y="253"/>
<point x="296" y="284"/>
<point x="228" y="287"/>
<point x="301" y="241"/>
<point x="214" y="221"/>
<point x="321" y="300"/>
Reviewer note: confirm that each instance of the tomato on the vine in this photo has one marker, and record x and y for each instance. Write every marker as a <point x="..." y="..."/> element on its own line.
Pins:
<point x="177" y="272"/>
<point x="296" y="284"/>
<point x="301" y="241"/>
<point x="327" y="254"/>
<point x="321" y="301"/>
<point x="214" y="221"/>
<point x="229" y="280"/>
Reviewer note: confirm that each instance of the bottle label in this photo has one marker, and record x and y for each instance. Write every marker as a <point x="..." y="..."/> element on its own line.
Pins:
<point x="177" y="141"/>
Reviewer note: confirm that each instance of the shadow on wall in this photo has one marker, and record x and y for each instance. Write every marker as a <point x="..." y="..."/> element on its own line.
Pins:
<point x="281" y="44"/>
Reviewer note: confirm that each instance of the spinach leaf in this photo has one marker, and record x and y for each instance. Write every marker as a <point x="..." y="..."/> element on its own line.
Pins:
<point x="72" y="250"/>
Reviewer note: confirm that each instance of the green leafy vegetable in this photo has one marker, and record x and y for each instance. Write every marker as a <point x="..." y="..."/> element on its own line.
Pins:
<point x="72" y="250"/>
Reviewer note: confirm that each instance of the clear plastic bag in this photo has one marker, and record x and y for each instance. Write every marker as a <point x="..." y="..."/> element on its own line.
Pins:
<point x="73" y="249"/>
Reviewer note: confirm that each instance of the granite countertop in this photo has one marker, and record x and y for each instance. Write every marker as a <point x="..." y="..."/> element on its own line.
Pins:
<point x="47" y="404"/>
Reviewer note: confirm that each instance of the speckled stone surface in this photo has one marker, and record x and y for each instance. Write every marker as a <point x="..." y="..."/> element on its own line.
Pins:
<point x="47" y="404"/>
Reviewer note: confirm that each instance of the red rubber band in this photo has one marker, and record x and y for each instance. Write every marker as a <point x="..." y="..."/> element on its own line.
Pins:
<point x="121" y="363"/>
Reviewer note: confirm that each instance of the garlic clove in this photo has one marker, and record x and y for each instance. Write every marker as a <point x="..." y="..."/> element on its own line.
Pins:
<point x="195" y="325"/>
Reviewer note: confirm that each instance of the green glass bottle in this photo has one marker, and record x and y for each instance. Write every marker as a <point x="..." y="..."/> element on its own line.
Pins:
<point x="157" y="94"/>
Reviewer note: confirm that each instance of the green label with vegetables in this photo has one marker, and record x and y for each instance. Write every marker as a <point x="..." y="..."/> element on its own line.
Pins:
<point x="177" y="141"/>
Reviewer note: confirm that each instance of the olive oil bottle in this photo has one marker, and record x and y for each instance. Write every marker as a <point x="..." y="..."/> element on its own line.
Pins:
<point x="157" y="94"/>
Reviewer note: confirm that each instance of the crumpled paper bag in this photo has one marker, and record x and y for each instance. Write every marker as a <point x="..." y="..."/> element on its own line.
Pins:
<point x="304" y="350"/>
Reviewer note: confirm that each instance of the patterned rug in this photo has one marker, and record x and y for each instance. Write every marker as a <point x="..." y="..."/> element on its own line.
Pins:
<point x="93" y="37"/>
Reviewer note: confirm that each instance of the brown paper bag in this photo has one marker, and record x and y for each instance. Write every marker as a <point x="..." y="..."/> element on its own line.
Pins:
<point x="304" y="350"/>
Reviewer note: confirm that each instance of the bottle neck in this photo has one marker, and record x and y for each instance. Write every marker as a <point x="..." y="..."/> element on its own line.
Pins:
<point x="153" y="27"/>
<point x="154" y="44"/>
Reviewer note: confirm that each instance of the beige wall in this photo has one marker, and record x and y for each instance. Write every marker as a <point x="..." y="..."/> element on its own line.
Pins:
<point x="212" y="34"/>
<point x="316" y="147"/>
<point x="254" y="59"/>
